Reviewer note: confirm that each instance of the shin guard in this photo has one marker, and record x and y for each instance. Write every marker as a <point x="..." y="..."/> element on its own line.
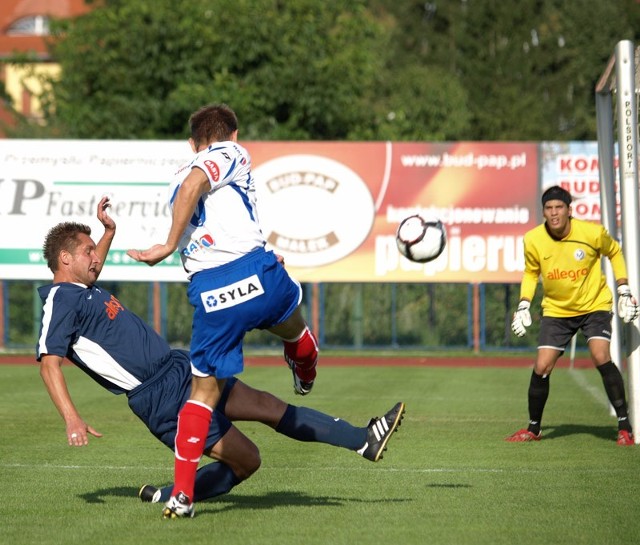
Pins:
<point x="193" y="427"/>
<point x="303" y="352"/>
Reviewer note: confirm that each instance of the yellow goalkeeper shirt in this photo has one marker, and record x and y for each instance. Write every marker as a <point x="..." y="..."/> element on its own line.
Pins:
<point x="573" y="281"/>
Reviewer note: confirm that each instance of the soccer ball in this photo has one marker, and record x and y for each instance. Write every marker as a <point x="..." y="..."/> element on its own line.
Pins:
<point x="421" y="240"/>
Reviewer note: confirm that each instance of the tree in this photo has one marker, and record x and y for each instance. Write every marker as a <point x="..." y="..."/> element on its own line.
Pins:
<point x="528" y="67"/>
<point x="421" y="98"/>
<point x="374" y="70"/>
<point x="418" y="103"/>
<point x="300" y="70"/>
<point x="532" y="71"/>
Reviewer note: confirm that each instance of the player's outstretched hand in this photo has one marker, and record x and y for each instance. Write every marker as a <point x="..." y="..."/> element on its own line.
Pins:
<point x="103" y="216"/>
<point x="627" y="304"/>
<point x="152" y="256"/>
<point x="521" y="319"/>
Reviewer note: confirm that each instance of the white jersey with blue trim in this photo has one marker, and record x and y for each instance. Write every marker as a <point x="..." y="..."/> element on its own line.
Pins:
<point x="225" y="224"/>
<point x="96" y="332"/>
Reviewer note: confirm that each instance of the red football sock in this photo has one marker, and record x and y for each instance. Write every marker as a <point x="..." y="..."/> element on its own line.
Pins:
<point x="303" y="351"/>
<point x="193" y="427"/>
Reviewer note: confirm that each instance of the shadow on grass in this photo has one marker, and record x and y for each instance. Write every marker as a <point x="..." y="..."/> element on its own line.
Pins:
<point x="607" y="433"/>
<point x="118" y="491"/>
<point x="230" y="502"/>
<point x="289" y="499"/>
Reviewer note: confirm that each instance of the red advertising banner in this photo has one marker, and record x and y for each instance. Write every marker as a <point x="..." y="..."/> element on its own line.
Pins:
<point x="332" y="209"/>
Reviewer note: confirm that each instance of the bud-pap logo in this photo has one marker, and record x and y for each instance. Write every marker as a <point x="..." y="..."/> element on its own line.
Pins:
<point x="313" y="210"/>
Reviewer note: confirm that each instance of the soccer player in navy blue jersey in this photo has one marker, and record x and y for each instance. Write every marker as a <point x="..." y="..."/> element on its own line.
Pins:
<point x="95" y="331"/>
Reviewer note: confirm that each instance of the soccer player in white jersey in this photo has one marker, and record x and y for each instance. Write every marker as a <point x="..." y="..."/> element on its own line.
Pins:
<point x="235" y="284"/>
<point x="566" y="254"/>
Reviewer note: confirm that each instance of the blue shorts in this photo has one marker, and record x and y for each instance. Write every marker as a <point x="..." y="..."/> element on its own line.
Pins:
<point x="158" y="401"/>
<point x="252" y="292"/>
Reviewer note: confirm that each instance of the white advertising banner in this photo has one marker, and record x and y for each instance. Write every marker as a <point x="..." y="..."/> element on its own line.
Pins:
<point x="574" y="166"/>
<point x="44" y="182"/>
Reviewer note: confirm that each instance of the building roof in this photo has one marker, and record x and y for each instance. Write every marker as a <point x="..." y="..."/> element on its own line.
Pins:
<point x="12" y="11"/>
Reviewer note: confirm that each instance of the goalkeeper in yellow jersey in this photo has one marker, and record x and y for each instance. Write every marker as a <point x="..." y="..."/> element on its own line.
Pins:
<point x="566" y="254"/>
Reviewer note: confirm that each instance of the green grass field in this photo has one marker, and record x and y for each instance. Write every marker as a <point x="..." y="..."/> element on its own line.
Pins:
<point x="448" y="476"/>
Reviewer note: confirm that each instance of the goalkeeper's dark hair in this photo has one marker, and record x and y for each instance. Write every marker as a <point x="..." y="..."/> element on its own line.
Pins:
<point x="556" y="193"/>
<point x="212" y="123"/>
<point x="63" y="236"/>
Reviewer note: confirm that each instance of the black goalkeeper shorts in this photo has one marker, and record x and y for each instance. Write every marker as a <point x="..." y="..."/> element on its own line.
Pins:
<point x="557" y="332"/>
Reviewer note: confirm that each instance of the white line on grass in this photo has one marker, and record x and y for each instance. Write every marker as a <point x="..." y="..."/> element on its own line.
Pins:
<point x="327" y="469"/>
<point x="596" y="393"/>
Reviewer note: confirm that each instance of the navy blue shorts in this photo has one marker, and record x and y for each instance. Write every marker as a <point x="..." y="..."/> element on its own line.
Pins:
<point x="252" y="292"/>
<point x="158" y="401"/>
<point x="557" y="332"/>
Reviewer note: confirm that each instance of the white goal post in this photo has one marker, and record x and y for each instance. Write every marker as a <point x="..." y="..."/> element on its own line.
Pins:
<point x="621" y="80"/>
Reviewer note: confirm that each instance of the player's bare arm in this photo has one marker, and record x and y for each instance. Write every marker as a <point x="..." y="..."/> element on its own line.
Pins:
<point x="102" y="248"/>
<point x="53" y="378"/>
<point x="194" y="185"/>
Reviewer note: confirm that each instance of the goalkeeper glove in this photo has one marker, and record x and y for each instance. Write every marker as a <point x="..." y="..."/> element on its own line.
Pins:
<point x="521" y="319"/>
<point x="627" y="304"/>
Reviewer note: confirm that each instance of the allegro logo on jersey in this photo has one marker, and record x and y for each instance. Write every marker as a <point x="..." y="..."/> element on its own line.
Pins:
<point x="232" y="294"/>
<point x="213" y="169"/>
<point x="113" y="307"/>
<point x="557" y="274"/>
<point x="203" y="242"/>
